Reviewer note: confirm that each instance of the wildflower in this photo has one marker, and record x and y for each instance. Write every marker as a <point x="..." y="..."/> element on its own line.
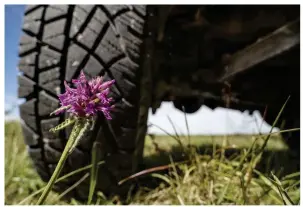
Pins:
<point x="87" y="99"/>
<point x="83" y="102"/>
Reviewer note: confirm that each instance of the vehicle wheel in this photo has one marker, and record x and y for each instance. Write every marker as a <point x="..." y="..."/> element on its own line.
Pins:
<point x="57" y="42"/>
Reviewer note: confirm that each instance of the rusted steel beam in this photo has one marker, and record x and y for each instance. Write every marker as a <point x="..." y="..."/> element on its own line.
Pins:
<point x="277" y="42"/>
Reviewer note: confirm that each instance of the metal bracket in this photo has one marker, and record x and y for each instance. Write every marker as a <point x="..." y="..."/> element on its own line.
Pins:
<point x="277" y="42"/>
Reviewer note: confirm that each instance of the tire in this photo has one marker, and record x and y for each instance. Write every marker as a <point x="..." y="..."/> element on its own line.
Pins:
<point x="57" y="42"/>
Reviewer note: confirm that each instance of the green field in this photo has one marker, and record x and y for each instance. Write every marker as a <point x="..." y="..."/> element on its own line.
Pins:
<point x="209" y="175"/>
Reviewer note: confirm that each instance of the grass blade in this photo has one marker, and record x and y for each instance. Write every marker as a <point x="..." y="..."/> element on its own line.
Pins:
<point x="258" y="157"/>
<point x="162" y="177"/>
<point x="274" y="124"/>
<point x="221" y="197"/>
<point x="150" y="170"/>
<point x="72" y="187"/>
<point x="267" y="181"/>
<point x="277" y="187"/>
<point x="94" y="171"/>
<point x="174" y="128"/>
<point x="174" y="168"/>
<point x="180" y="200"/>
<point x="290" y="176"/>
<point x="172" y="136"/>
<point x="187" y="127"/>
<point x="285" y="197"/>
<point x="58" y="180"/>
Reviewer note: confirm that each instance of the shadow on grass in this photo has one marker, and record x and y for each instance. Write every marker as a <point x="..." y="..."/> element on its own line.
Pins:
<point x="280" y="161"/>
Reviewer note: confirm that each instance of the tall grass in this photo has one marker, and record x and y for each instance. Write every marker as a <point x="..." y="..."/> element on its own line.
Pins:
<point x="21" y="178"/>
<point x="192" y="174"/>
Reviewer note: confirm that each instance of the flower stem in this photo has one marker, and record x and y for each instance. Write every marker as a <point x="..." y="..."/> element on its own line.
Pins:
<point x="66" y="152"/>
<point x="54" y="176"/>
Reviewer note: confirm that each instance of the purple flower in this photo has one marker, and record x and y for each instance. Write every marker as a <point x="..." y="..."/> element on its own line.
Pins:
<point x="88" y="98"/>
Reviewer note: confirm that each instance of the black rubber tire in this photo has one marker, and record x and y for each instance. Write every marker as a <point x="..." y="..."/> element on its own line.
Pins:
<point x="60" y="40"/>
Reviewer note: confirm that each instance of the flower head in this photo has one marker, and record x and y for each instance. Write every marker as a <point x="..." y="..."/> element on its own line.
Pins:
<point x="88" y="98"/>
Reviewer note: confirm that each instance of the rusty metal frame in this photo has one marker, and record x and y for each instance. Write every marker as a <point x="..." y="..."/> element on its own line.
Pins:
<point x="279" y="41"/>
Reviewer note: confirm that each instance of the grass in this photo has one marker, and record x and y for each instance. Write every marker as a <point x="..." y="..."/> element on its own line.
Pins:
<point x="21" y="179"/>
<point x="206" y="177"/>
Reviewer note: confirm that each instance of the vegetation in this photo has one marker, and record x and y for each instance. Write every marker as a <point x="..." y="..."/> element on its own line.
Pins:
<point x="213" y="170"/>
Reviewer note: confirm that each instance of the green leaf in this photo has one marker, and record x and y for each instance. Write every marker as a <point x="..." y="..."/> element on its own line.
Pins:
<point x="81" y="127"/>
<point x="64" y="124"/>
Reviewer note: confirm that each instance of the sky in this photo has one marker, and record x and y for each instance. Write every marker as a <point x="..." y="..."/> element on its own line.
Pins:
<point x="204" y="121"/>
<point x="13" y="21"/>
